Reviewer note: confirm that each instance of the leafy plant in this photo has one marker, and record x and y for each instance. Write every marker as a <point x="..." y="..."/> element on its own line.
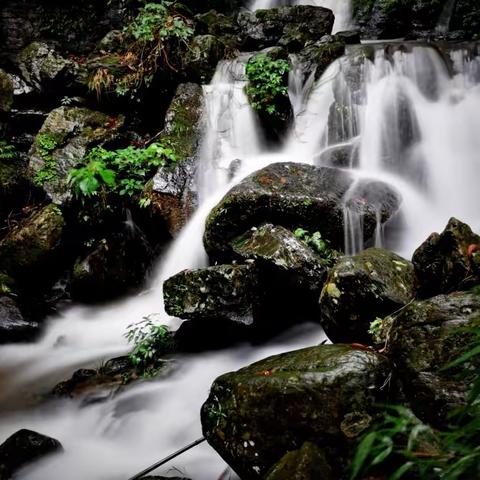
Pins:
<point x="316" y="243"/>
<point x="266" y="82"/>
<point x="149" y="37"/>
<point x="46" y="143"/>
<point x="149" y="342"/>
<point x="7" y="151"/>
<point x="122" y="172"/>
<point x="402" y="443"/>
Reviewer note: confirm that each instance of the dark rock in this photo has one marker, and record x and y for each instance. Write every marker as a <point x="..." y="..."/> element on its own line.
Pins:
<point x="320" y="394"/>
<point x="63" y="141"/>
<point x="288" y="194"/>
<point x="33" y="244"/>
<point x="340" y="156"/>
<point x="350" y="37"/>
<point x="6" y="91"/>
<point x="443" y="262"/>
<point x="117" y="264"/>
<point x="13" y="327"/>
<point x="374" y="283"/>
<point x="286" y="262"/>
<point x="318" y="56"/>
<point x="201" y="58"/>
<point x="171" y="192"/>
<point x="223" y="291"/>
<point x="214" y="23"/>
<point x="289" y="27"/>
<point x="23" y="447"/>
<point x="423" y="339"/>
<point x="307" y="463"/>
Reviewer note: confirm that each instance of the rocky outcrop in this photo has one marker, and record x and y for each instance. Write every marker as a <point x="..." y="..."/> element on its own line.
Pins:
<point x="291" y="195"/>
<point x="424" y="338"/>
<point x="201" y="58"/>
<point x="374" y="283"/>
<point x="61" y="144"/>
<point x="13" y="327"/>
<point x="320" y="394"/>
<point x="446" y="262"/>
<point x="6" y="91"/>
<point x="220" y="292"/>
<point x="289" y="27"/>
<point x="23" y="447"/>
<point x="32" y="245"/>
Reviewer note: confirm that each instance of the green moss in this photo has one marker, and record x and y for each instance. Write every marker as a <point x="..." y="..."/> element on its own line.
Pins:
<point x="46" y="143"/>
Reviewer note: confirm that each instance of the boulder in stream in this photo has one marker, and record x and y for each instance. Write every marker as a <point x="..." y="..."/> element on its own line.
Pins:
<point x="361" y="288"/>
<point x="13" y="327"/>
<point x="320" y="394"/>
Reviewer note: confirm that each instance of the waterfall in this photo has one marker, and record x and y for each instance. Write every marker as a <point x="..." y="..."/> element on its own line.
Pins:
<point x="341" y="9"/>
<point x="397" y="116"/>
<point x="445" y="17"/>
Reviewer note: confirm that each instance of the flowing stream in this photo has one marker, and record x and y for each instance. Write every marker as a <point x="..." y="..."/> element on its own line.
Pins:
<point x="405" y="115"/>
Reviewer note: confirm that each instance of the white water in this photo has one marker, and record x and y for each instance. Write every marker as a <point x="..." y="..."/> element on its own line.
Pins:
<point x="340" y="8"/>
<point x="413" y="127"/>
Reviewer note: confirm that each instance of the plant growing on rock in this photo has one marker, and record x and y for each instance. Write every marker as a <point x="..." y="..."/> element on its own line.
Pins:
<point x="7" y="151"/>
<point x="316" y="243"/>
<point x="156" y="29"/>
<point x="46" y="143"/>
<point x="266" y="82"/>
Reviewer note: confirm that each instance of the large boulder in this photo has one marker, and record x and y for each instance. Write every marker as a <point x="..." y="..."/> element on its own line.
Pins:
<point x="359" y="289"/>
<point x="424" y="338"/>
<point x="171" y="192"/>
<point x="201" y="58"/>
<point x="13" y="327"/>
<point x="6" y="91"/>
<point x="443" y="263"/>
<point x="290" y="27"/>
<point x="307" y="463"/>
<point x="23" y="447"/>
<point x="320" y="394"/>
<point x="286" y="263"/>
<point x="31" y="247"/>
<point x="63" y="141"/>
<point x="220" y="292"/>
<point x="291" y="195"/>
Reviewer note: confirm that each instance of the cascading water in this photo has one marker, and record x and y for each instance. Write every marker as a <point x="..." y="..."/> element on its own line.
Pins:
<point x="402" y="116"/>
<point x="340" y="8"/>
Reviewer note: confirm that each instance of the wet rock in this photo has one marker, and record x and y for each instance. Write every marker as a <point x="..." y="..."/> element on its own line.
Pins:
<point x="288" y="194"/>
<point x="23" y="447"/>
<point x="350" y="37"/>
<point x="202" y="56"/>
<point x="171" y="192"/>
<point x="63" y="141"/>
<point x="41" y="66"/>
<point x="13" y="327"/>
<point x="318" y="56"/>
<point x="307" y="463"/>
<point x="289" y="27"/>
<point x="33" y="244"/>
<point x="221" y="292"/>
<point x="6" y="91"/>
<point x="117" y="264"/>
<point x="341" y="156"/>
<point x="423" y="339"/>
<point x="371" y="284"/>
<point x="215" y="23"/>
<point x="287" y="264"/>
<point x="443" y="263"/>
<point x="257" y="414"/>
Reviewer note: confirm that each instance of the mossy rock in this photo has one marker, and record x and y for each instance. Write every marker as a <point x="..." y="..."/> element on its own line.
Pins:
<point x="423" y="339"/>
<point x="201" y="58"/>
<point x="443" y="263"/>
<point x="361" y="288"/>
<point x="223" y="292"/>
<point x="322" y="394"/>
<point x="32" y="244"/>
<point x="62" y="143"/>
<point x="318" y="56"/>
<point x="6" y="91"/>
<point x="292" y="195"/>
<point x="307" y="463"/>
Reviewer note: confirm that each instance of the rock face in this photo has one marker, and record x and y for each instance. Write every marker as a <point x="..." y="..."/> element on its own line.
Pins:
<point x="202" y="56"/>
<point x="291" y="195"/>
<point x="320" y="394"/>
<point x="221" y="292"/>
<point x="307" y="463"/>
<point x="13" y="327"/>
<point x="285" y="261"/>
<point x="289" y="27"/>
<point x="23" y="447"/>
<point x="6" y="91"/>
<point x="372" y="284"/>
<point x="443" y="263"/>
<point x="171" y="191"/>
<point x="32" y="245"/>
<point x="424" y="338"/>
<point x="62" y="142"/>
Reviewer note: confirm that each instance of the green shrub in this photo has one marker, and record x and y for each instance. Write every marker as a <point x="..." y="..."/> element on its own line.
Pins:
<point x="7" y="151"/>
<point x="317" y="244"/>
<point x="122" y="172"/>
<point x="46" y="143"/>
<point x="266" y="82"/>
